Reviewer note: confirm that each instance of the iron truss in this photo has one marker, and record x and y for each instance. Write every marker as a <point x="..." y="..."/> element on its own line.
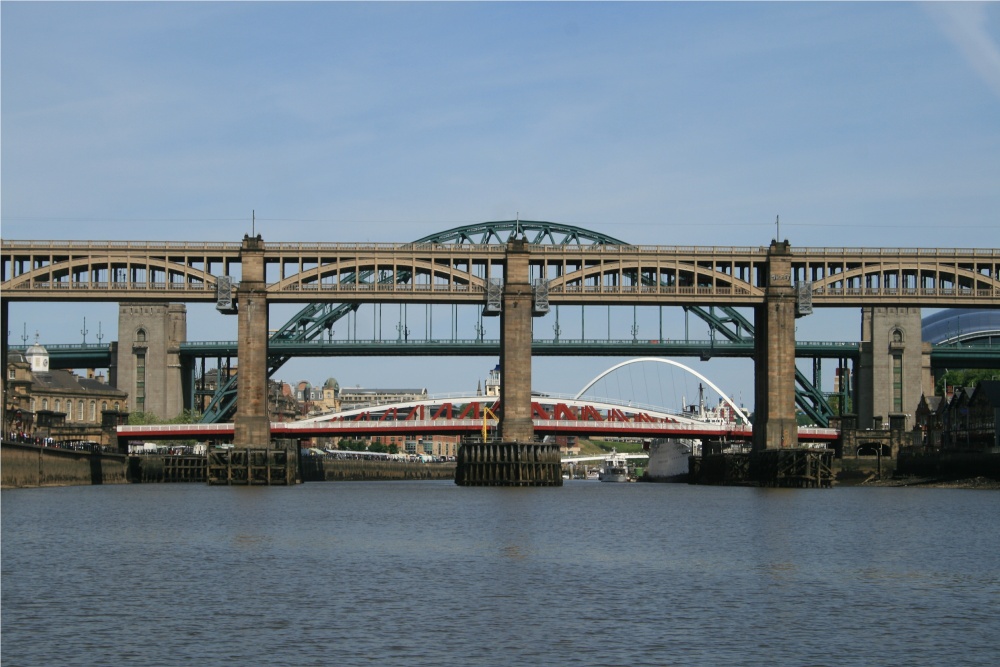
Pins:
<point x="310" y="322"/>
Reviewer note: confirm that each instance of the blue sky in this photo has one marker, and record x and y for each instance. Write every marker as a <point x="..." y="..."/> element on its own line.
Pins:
<point x="860" y="124"/>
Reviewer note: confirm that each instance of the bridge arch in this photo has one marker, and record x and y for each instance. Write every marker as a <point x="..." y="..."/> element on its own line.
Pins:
<point x="116" y="270"/>
<point x="669" y="362"/>
<point x="315" y="318"/>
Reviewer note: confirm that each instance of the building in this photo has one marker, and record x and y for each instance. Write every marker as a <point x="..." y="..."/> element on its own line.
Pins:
<point x="353" y="398"/>
<point x="281" y="403"/>
<point x="208" y="383"/>
<point x="146" y="358"/>
<point x="894" y="367"/>
<point x="963" y="421"/>
<point x="493" y="382"/>
<point x="438" y="446"/>
<point x="318" y="400"/>
<point x="928" y="421"/>
<point x="57" y="404"/>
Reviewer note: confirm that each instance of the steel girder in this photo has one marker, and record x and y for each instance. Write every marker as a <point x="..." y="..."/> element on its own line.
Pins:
<point x="311" y="321"/>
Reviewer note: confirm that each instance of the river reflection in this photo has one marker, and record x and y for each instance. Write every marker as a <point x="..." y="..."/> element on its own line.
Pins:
<point x="428" y="573"/>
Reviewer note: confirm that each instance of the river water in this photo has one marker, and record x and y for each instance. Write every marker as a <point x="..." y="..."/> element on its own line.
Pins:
<point x="428" y="573"/>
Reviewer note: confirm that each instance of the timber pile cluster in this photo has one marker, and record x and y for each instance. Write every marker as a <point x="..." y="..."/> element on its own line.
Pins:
<point x="508" y="464"/>
<point x="245" y="466"/>
<point x="149" y="469"/>
<point x="785" y="468"/>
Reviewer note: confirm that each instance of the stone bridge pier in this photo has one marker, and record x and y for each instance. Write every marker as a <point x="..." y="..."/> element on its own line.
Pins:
<point x="517" y="460"/>
<point x="253" y="460"/>
<point x="774" y="356"/>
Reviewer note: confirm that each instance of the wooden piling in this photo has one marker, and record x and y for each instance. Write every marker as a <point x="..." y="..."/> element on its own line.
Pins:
<point x="785" y="468"/>
<point x="508" y="464"/>
<point x="247" y="466"/>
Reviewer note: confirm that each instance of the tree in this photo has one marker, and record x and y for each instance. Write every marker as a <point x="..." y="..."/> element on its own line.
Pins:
<point x="963" y="378"/>
<point x="352" y="445"/>
<point x="148" y="418"/>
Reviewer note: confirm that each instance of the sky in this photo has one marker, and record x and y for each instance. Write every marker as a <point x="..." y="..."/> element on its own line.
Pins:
<point x="689" y="123"/>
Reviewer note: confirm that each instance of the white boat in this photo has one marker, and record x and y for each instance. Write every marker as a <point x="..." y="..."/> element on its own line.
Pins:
<point x="668" y="460"/>
<point x="668" y="457"/>
<point x="615" y="468"/>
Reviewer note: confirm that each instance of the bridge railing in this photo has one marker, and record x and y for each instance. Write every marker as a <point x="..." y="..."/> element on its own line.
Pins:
<point x="137" y="245"/>
<point x="376" y="287"/>
<point x="106" y="286"/>
<point x="897" y="252"/>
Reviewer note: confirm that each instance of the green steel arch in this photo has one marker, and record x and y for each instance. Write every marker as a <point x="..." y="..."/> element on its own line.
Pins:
<point x="310" y="322"/>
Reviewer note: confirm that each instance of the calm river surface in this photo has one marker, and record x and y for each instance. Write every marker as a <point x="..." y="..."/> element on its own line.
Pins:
<point x="428" y="573"/>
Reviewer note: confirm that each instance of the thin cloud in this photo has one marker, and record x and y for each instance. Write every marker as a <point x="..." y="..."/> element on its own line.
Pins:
<point x="967" y="26"/>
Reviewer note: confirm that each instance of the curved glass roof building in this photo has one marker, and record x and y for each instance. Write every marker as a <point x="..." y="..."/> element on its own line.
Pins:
<point x="955" y="325"/>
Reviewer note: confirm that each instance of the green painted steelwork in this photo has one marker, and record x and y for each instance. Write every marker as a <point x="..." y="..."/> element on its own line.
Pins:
<point x="311" y="321"/>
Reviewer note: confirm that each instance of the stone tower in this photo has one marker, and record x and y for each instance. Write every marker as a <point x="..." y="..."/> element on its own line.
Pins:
<point x="894" y="368"/>
<point x="148" y="364"/>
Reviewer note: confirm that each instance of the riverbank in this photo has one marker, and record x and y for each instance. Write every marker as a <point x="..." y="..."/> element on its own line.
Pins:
<point x="28" y="465"/>
<point x="984" y="483"/>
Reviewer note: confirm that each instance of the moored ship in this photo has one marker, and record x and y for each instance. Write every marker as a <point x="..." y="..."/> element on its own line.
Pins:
<point x="668" y="457"/>
<point x="615" y="468"/>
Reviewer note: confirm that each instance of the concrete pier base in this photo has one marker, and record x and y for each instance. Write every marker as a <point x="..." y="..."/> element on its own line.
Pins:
<point x="508" y="464"/>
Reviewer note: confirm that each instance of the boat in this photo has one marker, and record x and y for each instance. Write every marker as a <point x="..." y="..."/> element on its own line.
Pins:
<point x="668" y="460"/>
<point x="615" y="468"/>
<point x="668" y="457"/>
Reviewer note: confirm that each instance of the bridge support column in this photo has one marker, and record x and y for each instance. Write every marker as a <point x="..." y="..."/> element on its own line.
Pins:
<point x="252" y="425"/>
<point x="4" y="317"/>
<point x="774" y="356"/>
<point x="515" y="347"/>
<point x="518" y="460"/>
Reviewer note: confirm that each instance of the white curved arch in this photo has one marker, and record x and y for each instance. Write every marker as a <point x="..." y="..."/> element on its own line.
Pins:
<point x="672" y="363"/>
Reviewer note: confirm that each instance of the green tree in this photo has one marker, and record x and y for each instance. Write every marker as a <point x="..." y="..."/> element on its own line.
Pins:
<point x="352" y="445"/>
<point x="143" y="419"/>
<point x="148" y="418"/>
<point x="964" y="378"/>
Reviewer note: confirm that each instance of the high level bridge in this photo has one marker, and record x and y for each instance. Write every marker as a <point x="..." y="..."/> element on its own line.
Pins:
<point x="515" y="280"/>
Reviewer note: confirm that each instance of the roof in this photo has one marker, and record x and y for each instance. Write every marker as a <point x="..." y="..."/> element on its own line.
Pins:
<point x="990" y="390"/>
<point x="360" y="390"/>
<point x="954" y="324"/>
<point x="59" y="380"/>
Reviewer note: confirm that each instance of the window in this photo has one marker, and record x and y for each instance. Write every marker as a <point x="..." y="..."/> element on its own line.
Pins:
<point x="45" y="404"/>
<point x="897" y="383"/>
<point x="69" y="410"/>
<point x="104" y="406"/>
<point x="80" y="414"/>
<point x="140" y="336"/>
<point x="58" y="405"/>
<point x="140" y="381"/>
<point x="93" y="411"/>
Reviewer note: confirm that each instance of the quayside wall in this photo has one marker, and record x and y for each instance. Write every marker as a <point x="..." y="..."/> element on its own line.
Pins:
<point x="949" y="465"/>
<point x="319" y="469"/>
<point x="24" y="466"/>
